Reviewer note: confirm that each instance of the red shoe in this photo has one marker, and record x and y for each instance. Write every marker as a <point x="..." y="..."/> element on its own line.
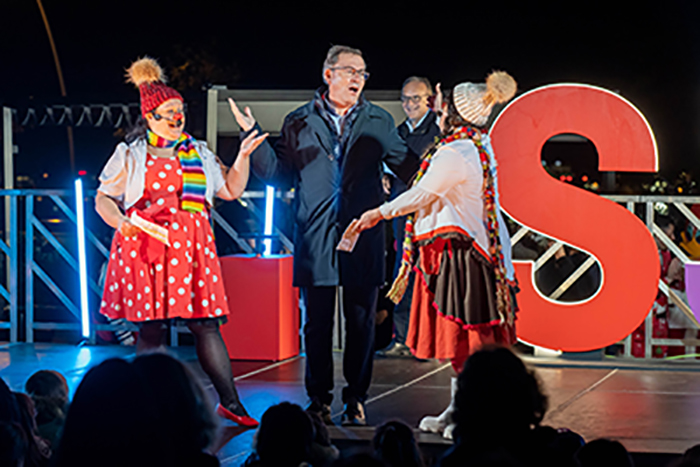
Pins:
<point x="243" y="420"/>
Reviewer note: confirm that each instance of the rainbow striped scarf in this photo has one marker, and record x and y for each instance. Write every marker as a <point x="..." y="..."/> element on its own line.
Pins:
<point x="194" y="182"/>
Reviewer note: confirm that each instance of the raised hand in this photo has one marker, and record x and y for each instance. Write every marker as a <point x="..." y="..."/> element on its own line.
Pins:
<point x="437" y="99"/>
<point x="245" y="121"/>
<point x="251" y="142"/>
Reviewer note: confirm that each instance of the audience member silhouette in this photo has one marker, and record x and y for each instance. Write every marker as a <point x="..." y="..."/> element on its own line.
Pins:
<point x="361" y="459"/>
<point x="127" y="414"/>
<point x="185" y="414"/>
<point x="39" y="451"/>
<point x="11" y="412"/>
<point x="603" y="453"/>
<point x="396" y="446"/>
<point x="49" y="391"/>
<point x="284" y="438"/>
<point x="691" y="458"/>
<point x="499" y="407"/>
<point x="13" y="445"/>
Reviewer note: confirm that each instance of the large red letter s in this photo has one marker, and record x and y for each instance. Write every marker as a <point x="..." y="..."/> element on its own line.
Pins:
<point x="619" y="240"/>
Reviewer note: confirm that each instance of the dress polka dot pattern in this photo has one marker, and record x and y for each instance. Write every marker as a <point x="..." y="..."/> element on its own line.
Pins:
<point x="182" y="280"/>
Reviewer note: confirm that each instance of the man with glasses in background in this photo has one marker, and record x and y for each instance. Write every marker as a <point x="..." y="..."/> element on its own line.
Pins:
<point x="419" y="130"/>
<point x="331" y="150"/>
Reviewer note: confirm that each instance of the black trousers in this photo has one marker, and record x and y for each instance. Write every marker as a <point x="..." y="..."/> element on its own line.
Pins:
<point x="359" y="309"/>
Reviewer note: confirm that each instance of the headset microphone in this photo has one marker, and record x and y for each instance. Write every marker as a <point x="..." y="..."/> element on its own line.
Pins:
<point x="176" y="121"/>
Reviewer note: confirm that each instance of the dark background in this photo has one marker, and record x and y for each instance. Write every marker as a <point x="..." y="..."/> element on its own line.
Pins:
<point x="647" y="51"/>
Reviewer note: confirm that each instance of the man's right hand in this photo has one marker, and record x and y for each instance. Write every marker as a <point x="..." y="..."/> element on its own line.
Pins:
<point x="245" y="121"/>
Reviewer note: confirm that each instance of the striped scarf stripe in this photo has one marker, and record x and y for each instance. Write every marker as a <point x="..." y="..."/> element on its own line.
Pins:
<point x="194" y="181"/>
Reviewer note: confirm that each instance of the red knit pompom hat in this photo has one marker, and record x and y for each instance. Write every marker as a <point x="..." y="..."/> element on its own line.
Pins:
<point x="148" y="76"/>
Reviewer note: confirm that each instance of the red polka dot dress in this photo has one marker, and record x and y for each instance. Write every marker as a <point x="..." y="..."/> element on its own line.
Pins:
<point x="147" y="280"/>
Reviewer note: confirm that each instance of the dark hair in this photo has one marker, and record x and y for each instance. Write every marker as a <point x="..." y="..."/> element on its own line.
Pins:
<point x="136" y="131"/>
<point x="183" y="409"/>
<point x="49" y="391"/>
<point x="132" y="409"/>
<point x="112" y="412"/>
<point x="395" y="444"/>
<point x="9" y="409"/>
<point x="663" y="221"/>
<point x="692" y="453"/>
<point x="13" y="444"/>
<point x="497" y="389"/>
<point x="335" y="52"/>
<point x="452" y="121"/>
<point x="359" y="459"/>
<point x="603" y="453"/>
<point x="13" y="414"/>
<point x="419" y="79"/>
<point x="285" y="436"/>
<point x="38" y="450"/>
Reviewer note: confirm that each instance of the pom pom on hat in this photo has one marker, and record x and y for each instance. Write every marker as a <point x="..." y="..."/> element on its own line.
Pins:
<point x="148" y="77"/>
<point x="144" y="70"/>
<point x="500" y="87"/>
<point x="474" y="102"/>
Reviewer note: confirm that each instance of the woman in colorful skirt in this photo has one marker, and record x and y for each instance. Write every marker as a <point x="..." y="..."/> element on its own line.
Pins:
<point x="464" y="293"/>
<point x="156" y="191"/>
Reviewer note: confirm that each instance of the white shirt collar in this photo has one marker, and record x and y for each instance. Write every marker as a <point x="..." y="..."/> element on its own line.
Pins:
<point x="411" y="128"/>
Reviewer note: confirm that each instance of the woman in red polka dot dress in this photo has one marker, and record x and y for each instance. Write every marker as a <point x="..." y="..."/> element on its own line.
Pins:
<point x="169" y="268"/>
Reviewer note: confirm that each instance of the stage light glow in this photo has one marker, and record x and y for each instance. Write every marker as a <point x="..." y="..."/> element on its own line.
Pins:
<point x="82" y="259"/>
<point x="269" y="208"/>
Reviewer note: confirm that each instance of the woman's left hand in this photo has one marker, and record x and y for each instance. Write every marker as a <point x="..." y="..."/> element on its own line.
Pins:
<point x="251" y="143"/>
<point x="369" y="219"/>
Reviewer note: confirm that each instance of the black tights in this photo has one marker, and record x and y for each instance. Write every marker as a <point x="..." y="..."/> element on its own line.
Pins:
<point x="211" y="351"/>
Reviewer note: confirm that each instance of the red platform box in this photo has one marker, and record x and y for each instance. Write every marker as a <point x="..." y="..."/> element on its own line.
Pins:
<point x="264" y="319"/>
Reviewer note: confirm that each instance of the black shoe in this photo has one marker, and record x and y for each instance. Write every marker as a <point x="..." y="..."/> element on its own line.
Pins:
<point x="354" y="414"/>
<point x="320" y="409"/>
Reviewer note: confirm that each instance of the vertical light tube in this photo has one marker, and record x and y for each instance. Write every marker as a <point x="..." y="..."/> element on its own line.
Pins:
<point x="269" y="208"/>
<point x="82" y="259"/>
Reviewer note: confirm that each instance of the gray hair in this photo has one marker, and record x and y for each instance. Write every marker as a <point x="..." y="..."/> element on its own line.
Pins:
<point x="334" y="54"/>
<point x="419" y="79"/>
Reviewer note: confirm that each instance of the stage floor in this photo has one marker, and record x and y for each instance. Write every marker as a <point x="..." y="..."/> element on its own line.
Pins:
<point x="651" y="408"/>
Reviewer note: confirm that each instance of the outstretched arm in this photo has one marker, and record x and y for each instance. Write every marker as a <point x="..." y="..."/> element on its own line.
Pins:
<point x="269" y="165"/>
<point x="406" y="203"/>
<point x="447" y="170"/>
<point x="237" y="176"/>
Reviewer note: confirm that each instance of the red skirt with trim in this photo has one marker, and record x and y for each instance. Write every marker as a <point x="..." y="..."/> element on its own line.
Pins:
<point x="454" y="313"/>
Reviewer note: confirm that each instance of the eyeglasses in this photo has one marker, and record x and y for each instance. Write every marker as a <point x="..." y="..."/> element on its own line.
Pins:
<point x="412" y="99"/>
<point x="351" y="72"/>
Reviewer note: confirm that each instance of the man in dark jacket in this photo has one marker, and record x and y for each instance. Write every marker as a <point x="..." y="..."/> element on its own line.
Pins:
<point x="331" y="151"/>
<point x="419" y="130"/>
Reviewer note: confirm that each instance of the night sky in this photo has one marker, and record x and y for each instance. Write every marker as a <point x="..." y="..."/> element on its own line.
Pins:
<point x="649" y="52"/>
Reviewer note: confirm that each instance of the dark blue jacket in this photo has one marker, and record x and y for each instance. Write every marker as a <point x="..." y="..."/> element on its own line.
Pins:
<point x="423" y="137"/>
<point x="329" y="193"/>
